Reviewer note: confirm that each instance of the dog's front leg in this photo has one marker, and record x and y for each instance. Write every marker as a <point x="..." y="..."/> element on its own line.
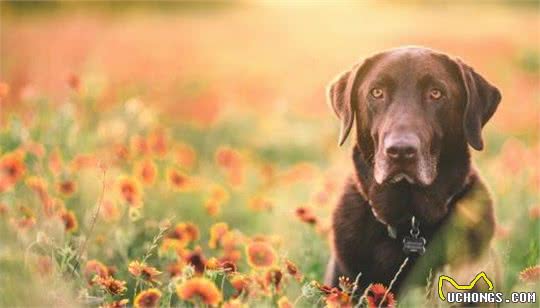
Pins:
<point x="331" y="277"/>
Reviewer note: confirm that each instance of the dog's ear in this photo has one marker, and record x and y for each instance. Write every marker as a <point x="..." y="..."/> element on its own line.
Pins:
<point x="482" y="101"/>
<point x="341" y="95"/>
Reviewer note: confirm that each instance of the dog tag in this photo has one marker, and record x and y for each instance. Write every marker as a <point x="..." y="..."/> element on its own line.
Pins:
<point x="414" y="246"/>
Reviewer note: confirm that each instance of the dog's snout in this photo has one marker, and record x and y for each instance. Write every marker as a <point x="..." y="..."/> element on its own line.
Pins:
<point x="402" y="147"/>
<point x="401" y="151"/>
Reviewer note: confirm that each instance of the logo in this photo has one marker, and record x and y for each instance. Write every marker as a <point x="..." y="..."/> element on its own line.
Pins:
<point x="471" y="285"/>
<point x="480" y="297"/>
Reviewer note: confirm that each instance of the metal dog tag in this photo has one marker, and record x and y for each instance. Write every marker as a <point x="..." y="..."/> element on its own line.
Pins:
<point x="414" y="246"/>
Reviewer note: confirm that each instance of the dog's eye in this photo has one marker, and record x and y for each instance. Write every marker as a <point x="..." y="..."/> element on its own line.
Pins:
<point x="377" y="93"/>
<point x="435" y="94"/>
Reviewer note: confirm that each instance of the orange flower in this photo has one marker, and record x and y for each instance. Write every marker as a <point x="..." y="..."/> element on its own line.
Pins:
<point x="534" y="212"/>
<point x="339" y="299"/>
<point x="39" y="186"/>
<point x="121" y="152"/>
<point x="234" y="303"/>
<point x="199" y="289"/>
<point x="218" y="194"/>
<point x="236" y="177"/>
<point x="55" y="162"/>
<point x="141" y="269"/>
<point x="213" y="208"/>
<point x="231" y="240"/>
<point x="299" y="172"/>
<point x="130" y="190"/>
<point x="139" y="145"/>
<point x="111" y="285"/>
<point x="231" y="255"/>
<point x="109" y="210"/>
<point x="3" y="209"/>
<point x="306" y="215"/>
<point x="70" y="221"/>
<point x="260" y="254"/>
<point x="123" y="303"/>
<point x="530" y="274"/>
<point x="321" y="198"/>
<point x="283" y="302"/>
<point x="185" y="156"/>
<point x="228" y="158"/>
<point x="228" y="266"/>
<point x="514" y="156"/>
<point x="230" y="161"/>
<point x="268" y="173"/>
<point x="334" y="297"/>
<point x="273" y="278"/>
<point x="93" y="268"/>
<point x="52" y="206"/>
<point x="240" y="283"/>
<point x="180" y="237"/>
<point x="179" y="246"/>
<point x="230" y="243"/>
<point x="74" y="82"/>
<point x="84" y="161"/>
<point x="185" y="231"/>
<point x="217" y="231"/>
<point x="67" y="187"/>
<point x="146" y="170"/>
<point x="148" y="298"/>
<point x="260" y="204"/>
<point x="501" y="232"/>
<point x="175" y="269"/>
<point x="4" y="90"/>
<point x="25" y="222"/>
<point x="196" y="259"/>
<point x="12" y="169"/>
<point x="375" y="296"/>
<point x="212" y="264"/>
<point x="179" y="180"/>
<point x="158" y="142"/>
<point x="326" y="290"/>
<point x="217" y="197"/>
<point x="292" y="269"/>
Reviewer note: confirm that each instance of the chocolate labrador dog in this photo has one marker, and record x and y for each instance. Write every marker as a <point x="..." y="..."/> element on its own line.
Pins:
<point x="413" y="192"/>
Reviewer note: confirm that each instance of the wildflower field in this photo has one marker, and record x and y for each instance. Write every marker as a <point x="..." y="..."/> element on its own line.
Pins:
<point x="184" y="155"/>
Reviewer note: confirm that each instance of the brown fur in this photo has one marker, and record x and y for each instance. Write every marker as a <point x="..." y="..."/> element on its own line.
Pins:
<point x="457" y="231"/>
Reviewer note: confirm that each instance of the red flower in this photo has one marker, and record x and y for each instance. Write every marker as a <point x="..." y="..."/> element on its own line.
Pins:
<point x="260" y="255"/>
<point x="67" y="187"/>
<point x="146" y="170"/>
<point x="196" y="259"/>
<point x="148" y="298"/>
<point x="530" y="274"/>
<point x="306" y="215"/>
<point x="74" y="82"/>
<point x="130" y="190"/>
<point x="12" y="169"/>
<point x="199" y="289"/>
<point x="375" y="296"/>
<point x="70" y="220"/>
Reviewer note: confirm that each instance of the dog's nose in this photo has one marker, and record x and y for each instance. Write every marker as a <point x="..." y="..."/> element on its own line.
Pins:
<point x="402" y="148"/>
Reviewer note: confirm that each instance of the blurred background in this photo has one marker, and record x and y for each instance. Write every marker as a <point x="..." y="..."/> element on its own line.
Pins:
<point x="243" y="80"/>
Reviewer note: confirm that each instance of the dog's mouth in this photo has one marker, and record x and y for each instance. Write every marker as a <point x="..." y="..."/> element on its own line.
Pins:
<point x="401" y="177"/>
<point x="422" y="173"/>
<point x="397" y="174"/>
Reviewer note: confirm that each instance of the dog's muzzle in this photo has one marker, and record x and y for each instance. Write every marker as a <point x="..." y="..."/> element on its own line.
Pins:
<point x="400" y="157"/>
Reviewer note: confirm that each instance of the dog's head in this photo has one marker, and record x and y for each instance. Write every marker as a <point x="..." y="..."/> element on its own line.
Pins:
<point x="408" y="103"/>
